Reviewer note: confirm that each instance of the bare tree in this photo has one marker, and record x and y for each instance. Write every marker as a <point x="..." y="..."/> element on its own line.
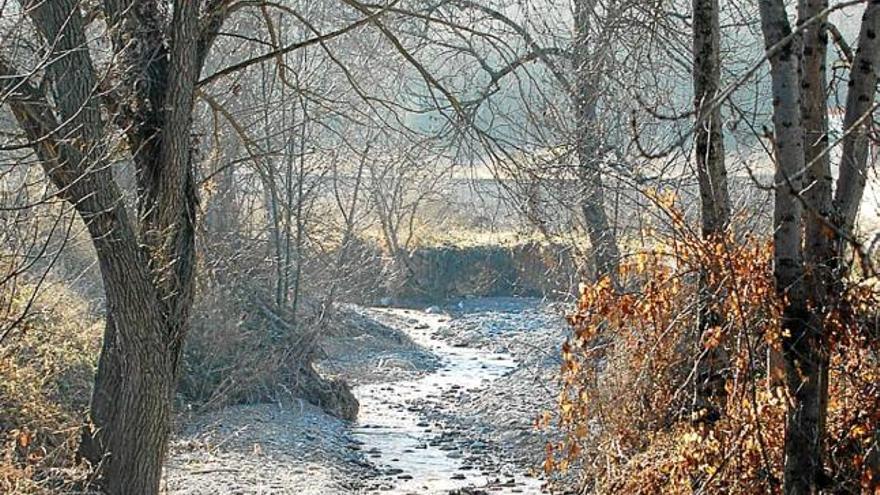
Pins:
<point x="147" y="259"/>
<point x="711" y="172"/>
<point x="809" y="269"/>
<point x="588" y="67"/>
<point x="566" y="106"/>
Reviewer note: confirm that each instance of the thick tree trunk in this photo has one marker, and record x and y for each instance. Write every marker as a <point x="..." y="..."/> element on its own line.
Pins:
<point x="131" y="406"/>
<point x="714" y="197"/>
<point x="130" y="409"/>
<point x="147" y="271"/>
<point x="800" y="342"/>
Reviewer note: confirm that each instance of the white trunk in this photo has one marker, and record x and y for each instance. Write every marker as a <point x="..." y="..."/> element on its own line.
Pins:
<point x="859" y="101"/>
<point x="800" y="343"/>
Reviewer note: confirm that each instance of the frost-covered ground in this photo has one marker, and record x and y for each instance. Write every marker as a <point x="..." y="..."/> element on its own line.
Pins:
<point x="448" y="399"/>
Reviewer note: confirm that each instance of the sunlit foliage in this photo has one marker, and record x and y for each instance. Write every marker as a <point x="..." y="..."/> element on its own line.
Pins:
<point x="628" y="402"/>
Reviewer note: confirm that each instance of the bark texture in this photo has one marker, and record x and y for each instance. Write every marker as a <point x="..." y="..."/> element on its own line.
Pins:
<point x="859" y="101"/>
<point x="810" y="271"/>
<point x="712" y="173"/>
<point x="854" y="162"/>
<point x="146" y="265"/>
<point x="818" y="248"/>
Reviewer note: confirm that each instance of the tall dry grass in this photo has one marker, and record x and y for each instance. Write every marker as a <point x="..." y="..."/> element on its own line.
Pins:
<point x="47" y="366"/>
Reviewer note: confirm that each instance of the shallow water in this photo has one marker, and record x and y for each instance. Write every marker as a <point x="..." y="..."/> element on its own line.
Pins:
<point x="416" y="456"/>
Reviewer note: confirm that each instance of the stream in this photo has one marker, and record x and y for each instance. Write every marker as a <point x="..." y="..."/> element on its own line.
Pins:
<point x="447" y="409"/>
<point x="414" y="454"/>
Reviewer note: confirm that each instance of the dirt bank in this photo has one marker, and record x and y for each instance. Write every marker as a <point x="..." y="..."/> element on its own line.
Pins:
<point x="528" y="269"/>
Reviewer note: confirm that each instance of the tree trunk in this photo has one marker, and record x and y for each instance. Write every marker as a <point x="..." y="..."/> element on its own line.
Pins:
<point x="859" y="101"/>
<point x="818" y="248"/>
<point x="147" y="268"/>
<point x="606" y="255"/>
<point x="853" y="165"/>
<point x="131" y="401"/>
<point x="712" y="173"/>
<point x="800" y="342"/>
<point x="712" y="176"/>
<point x="589" y="155"/>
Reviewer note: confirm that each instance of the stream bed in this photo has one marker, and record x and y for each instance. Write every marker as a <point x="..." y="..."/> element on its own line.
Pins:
<point x="418" y="455"/>
<point x="448" y="398"/>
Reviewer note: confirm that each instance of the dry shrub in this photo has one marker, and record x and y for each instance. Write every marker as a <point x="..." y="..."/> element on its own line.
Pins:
<point x="627" y="404"/>
<point x="243" y="349"/>
<point x="47" y="367"/>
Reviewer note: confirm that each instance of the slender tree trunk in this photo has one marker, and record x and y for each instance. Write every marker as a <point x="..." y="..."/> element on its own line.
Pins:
<point x="288" y="198"/>
<point x="589" y="155"/>
<point x="300" y="204"/>
<point x="602" y="238"/>
<point x="859" y="101"/>
<point x="801" y="343"/>
<point x="850" y="189"/>
<point x="274" y="205"/>
<point x="818" y="248"/>
<point x="712" y="175"/>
